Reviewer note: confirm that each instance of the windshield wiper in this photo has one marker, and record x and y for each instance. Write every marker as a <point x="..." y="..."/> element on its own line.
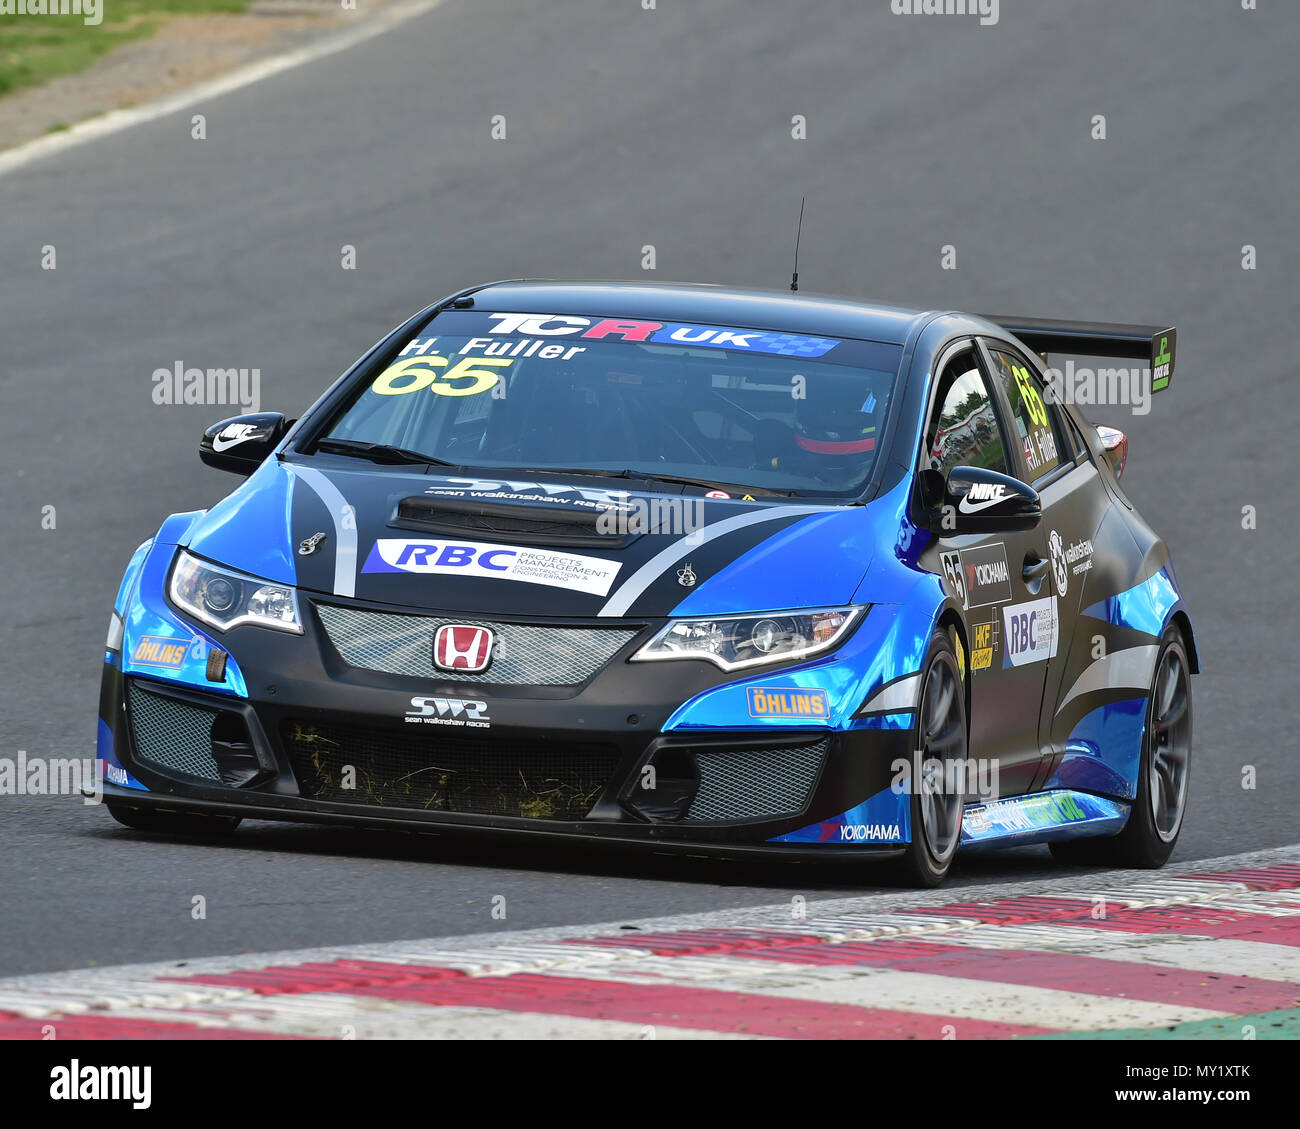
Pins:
<point x="650" y="476"/>
<point x="377" y="452"/>
<point x="683" y="480"/>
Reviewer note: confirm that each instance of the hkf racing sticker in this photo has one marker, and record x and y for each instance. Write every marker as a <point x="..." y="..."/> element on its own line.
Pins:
<point x="788" y="701"/>
<point x="1030" y="632"/>
<point x="495" y="562"/>
<point x="984" y="644"/>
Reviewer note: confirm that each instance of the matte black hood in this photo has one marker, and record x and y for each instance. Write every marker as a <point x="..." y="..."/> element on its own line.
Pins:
<point x="555" y="546"/>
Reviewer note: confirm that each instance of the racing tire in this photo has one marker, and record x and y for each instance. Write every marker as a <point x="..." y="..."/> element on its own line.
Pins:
<point x="172" y="822"/>
<point x="1151" y="833"/>
<point x="940" y="734"/>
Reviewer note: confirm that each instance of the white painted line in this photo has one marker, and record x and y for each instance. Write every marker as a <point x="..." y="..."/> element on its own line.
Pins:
<point x="1223" y="955"/>
<point x="918" y="992"/>
<point x="329" y="1016"/>
<point x="113" y="993"/>
<point x="873" y="926"/>
<point x="1266" y="903"/>
<point x="1074" y="939"/>
<point x="93" y="129"/>
<point x="499" y="960"/>
<point x="1171" y="891"/>
<point x="1003" y="1003"/>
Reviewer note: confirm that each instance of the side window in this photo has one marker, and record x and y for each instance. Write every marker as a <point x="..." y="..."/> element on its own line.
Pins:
<point x="1077" y="441"/>
<point x="963" y="428"/>
<point x="1036" y="429"/>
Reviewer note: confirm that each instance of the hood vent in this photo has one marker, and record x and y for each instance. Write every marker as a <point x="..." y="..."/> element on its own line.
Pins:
<point x="522" y="522"/>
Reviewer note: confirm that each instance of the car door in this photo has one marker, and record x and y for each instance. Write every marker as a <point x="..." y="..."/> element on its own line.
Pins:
<point x="1073" y="499"/>
<point x="968" y="425"/>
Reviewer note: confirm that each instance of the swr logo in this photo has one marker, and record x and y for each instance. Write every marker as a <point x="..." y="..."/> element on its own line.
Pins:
<point x="448" y="707"/>
<point x="459" y="646"/>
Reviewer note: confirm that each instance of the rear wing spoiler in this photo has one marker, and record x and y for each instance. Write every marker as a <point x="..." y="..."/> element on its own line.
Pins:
<point x="1152" y="343"/>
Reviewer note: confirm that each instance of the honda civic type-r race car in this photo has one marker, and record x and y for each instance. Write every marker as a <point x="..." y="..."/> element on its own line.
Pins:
<point x="723" y="570"/>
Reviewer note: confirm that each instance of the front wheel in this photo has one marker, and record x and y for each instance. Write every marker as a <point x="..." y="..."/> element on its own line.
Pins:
<point x="1149" y="837"/>
<point x="940" y="738"/>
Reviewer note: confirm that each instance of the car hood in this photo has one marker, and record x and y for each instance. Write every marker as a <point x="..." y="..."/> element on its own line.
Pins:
<point x="510" y="546"/>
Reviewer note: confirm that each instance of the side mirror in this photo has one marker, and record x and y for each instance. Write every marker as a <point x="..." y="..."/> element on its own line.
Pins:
<point x="240" y="444"/>
<point x="1115" y="444"/>
<point x="983" y="501"/>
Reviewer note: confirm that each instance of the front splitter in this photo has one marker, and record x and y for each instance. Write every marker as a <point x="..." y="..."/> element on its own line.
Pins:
<point x="652" y="839"/>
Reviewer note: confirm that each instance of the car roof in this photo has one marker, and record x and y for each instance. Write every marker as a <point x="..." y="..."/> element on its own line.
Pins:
<point x="781" y="310"/>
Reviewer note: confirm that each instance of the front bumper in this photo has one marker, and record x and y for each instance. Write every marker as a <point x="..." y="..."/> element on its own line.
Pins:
<point x="294" y="731"/>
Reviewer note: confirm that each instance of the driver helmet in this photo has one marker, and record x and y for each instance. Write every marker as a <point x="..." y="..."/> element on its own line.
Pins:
<point x="837" y="421"/>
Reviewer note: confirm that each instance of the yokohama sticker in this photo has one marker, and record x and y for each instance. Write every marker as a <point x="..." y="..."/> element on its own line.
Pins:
<point x="496" y="562"/>
<point x="873" y="832"/>
<point x="985" y="572"/>
<point x="979" y="577"/>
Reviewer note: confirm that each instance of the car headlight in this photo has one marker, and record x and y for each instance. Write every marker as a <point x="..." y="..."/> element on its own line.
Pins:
<point x="736" y="641"/>
<point x="224" y="598"/>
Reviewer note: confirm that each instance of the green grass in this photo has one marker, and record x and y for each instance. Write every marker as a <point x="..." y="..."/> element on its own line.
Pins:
<point x="1283" y="1024"/>
<point x="37" y="48"/>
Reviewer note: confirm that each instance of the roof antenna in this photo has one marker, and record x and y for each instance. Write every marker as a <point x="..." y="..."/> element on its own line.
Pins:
<point x="794" y="282"/>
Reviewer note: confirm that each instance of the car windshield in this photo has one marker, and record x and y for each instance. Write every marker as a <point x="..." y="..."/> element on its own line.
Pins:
<point x="732" y="407"/>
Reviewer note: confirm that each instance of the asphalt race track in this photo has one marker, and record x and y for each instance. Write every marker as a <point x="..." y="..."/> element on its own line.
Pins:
<point x="627" y="128"/>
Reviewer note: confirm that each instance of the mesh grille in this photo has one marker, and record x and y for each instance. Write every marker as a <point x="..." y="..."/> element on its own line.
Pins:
<point x="756" y="783"/>
<point x="440" y="772"/>
<point x="522" y="655"/>
<point x="171" y="734"/>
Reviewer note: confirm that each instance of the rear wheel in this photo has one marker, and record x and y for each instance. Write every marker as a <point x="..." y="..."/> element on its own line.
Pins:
<point x="1149" y="837"/>
<point x="940" y="737"/>
<point x="172" y="822"/>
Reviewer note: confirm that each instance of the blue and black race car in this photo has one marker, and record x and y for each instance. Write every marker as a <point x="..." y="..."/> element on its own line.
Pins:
<point x="726" y="570"/>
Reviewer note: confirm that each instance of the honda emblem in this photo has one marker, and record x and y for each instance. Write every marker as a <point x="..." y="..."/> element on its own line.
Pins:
<point x="460" y="647"/>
